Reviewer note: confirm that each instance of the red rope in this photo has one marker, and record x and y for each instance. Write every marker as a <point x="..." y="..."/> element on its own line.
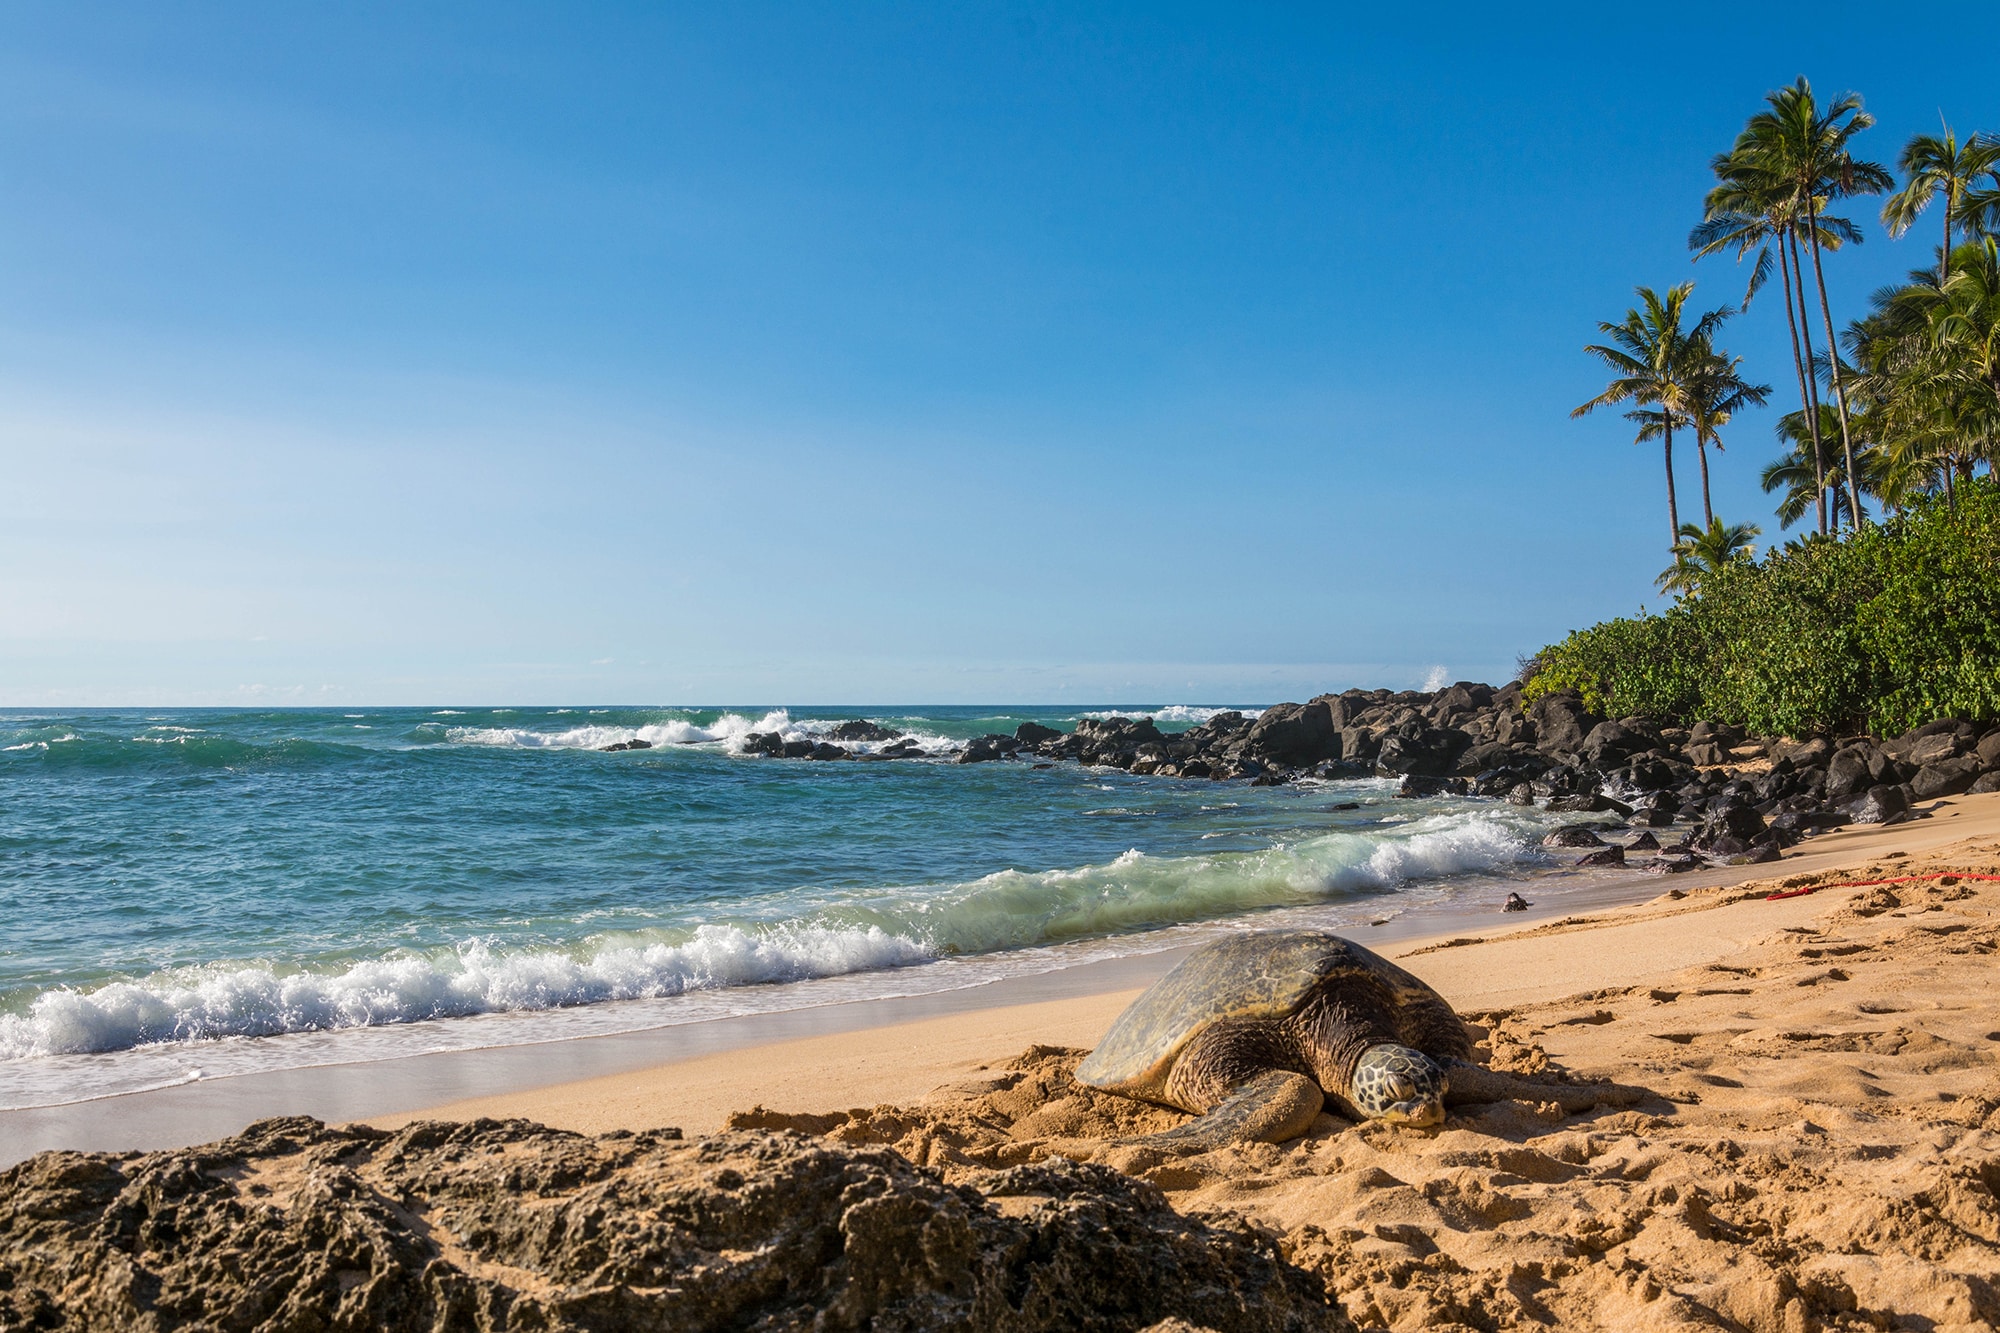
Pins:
<point x="1871" y="883"/>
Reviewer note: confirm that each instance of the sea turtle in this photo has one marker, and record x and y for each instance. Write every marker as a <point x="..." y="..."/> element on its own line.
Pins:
<point x="1259" y="1031"/>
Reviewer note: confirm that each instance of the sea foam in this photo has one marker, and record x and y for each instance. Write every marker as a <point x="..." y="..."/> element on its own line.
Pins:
<point x="205" y="1003"/>
<point x="728" y="731"/>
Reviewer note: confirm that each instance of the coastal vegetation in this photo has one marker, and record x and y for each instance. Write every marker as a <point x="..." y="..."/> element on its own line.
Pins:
<point x="1885" y="615"/>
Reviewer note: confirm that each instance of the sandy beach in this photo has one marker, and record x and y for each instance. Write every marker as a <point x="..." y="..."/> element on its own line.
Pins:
<point x="1814" y="1139"/>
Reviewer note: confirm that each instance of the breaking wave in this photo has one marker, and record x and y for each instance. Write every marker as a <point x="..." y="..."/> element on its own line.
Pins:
<point x="856" y="931"/>
<point x="206" y="1003"/>
<point x="728" y="731"/>
<point x="1191" y="714"/>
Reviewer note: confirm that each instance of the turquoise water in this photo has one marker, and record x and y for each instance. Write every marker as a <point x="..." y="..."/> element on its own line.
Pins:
<point x="205" y="887"/>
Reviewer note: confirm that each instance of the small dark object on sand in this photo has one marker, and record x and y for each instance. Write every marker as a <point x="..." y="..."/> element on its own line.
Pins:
<point x="1515" y="903"/>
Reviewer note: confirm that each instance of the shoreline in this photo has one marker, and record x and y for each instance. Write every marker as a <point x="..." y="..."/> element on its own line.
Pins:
<point x="927" y="1036"/>
<point x="816" y="1072"/>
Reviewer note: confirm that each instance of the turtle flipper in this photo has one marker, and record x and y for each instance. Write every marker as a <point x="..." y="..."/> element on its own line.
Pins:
<point x="1467" y="1083"/>
<point x="1272" y="1107"/>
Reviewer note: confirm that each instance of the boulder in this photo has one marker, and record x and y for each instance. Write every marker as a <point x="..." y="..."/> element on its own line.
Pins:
<point x="1879" y="805"/>
<point x="506" y="1225"/>
<point x="1853" y="770"/>
<point x="1359" y="745"/>
<point x="1934" y="749"/>
<point x="1512" y="726"/>
<point x="1034" y="733"/>
<point x="1294" y="734"/>
<point x="765" y="743"/>
<point x="1573" y="835"/>
<point x="1944" y="777"/>
<point x="1645" y="842"/>
<point x="1708" y="754"/>
<point x="1715" y="733"/>
<point x="1499" y="782"/>
<point x="861" y="729"/>
<point x="1491" y="755"/>
<point x="1421" y="749"/>
<point x="1417" y="784"/>
<point x="634" y="744"/>
<point x="1610" y="744"/>
<point x="1116" y="733"/>
<point x="1588" y="803"/>
<point x="1810" y="753"/>
<point x="1561" y="722"/>
<point x="1732" y="820"/>
<point x="1606" y="856"/>
<point x="1988" y="750"/>
<point x="984" y="749"/>
<point x="1986" y="782"/>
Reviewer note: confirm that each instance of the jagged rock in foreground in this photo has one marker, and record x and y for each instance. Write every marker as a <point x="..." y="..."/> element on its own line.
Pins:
<point x="492" y="1225"/>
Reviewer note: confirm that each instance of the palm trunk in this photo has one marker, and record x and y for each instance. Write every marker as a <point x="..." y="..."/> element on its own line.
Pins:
<point x="1944" y="255"/>
<point x="1808" y="378"/>
<point x="1833" y="366"/>
<point x="1707" y="513"/>
<point x="1673" y="505"/>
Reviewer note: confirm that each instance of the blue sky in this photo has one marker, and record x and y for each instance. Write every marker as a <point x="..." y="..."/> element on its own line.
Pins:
<point x="786" y="353"/>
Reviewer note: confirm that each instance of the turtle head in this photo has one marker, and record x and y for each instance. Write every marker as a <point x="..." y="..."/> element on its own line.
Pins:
<point x="1400" y="1085"/>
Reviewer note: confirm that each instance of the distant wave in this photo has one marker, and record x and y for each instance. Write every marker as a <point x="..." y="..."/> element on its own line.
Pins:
<point x="1192" y="714"/>
<point x="853" y="932"/>
<point x="729" y="731"/>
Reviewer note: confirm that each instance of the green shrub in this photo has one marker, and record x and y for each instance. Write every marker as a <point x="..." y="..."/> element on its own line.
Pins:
<point x="1886" y="629"/>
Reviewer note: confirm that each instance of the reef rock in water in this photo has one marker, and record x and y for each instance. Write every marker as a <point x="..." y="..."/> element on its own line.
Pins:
<point x="491" y="1225"/>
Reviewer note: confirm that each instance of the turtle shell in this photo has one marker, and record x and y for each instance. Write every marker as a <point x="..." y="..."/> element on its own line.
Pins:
<point x="1267" y="973"/>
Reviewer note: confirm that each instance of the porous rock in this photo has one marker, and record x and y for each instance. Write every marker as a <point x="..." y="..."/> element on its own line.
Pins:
<point x="494" y="1225"/>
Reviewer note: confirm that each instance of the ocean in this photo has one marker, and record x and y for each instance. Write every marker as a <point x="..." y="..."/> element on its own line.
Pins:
<point x="194" y="893"/>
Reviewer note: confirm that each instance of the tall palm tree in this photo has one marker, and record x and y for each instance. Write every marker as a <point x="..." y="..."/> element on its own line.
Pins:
<point x="1936" y="166"/>
<point x="1809" y="149"/>
<point x="1652" y="358"/>
<point x="1751" y="206"/>
<point x="1716" y="391"/>
<point x="1702" y="551"/>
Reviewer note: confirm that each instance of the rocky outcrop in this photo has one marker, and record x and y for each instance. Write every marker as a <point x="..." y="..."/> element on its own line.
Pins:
<point x="1738" y="797"/>
<point x="861" y="729"/>
<point x="490" y="1226"/>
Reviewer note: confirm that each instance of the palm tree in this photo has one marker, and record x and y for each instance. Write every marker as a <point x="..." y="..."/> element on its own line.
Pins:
<point x="1702" y="551"/>
<point x="1796" y="142"/>
<point x="1752" y="207"/>
<point x="1716" y="391"/>
<point x="1652" y="359"/>
<point x="1937" y="166"/>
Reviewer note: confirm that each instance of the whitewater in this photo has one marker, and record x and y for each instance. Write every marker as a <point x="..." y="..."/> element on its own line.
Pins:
<point x="194" y="893"/>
